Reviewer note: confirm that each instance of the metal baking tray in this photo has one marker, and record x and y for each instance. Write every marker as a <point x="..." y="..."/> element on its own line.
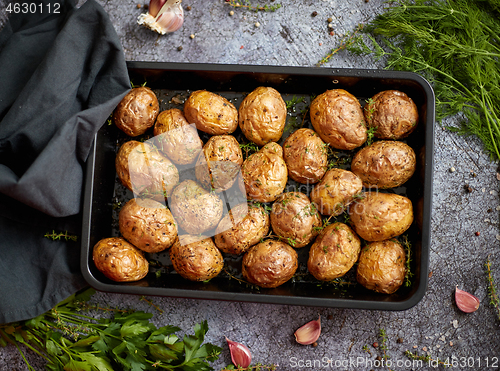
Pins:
<point x="173" y="82"/>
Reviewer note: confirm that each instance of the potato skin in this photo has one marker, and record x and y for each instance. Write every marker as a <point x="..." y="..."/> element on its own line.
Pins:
<point x="212" y="113"/>
<point x="195" y="209"/>
<point x="119" y="260"/>
<point x="262" y="115"/>
<point x="392" y="113"/>
<point x="306" y="156"/>
<point x="137" y="111"/>
<point x="334" y="252"/>
<point x="381" y="216"/>
<point x="384" y="164"/>
<point x="338" y="118"/>
<point x="196" y="258"/>
<point x="337" y="189"/>
<point x="269" y="264"/>
<point x="295" y="219"/>
<point x="176" y="138"/>
<point x="252" y="224"/>
<point x="382" y="267"/>
<point x="265" y="173"/>
<point x="147" y="224"/>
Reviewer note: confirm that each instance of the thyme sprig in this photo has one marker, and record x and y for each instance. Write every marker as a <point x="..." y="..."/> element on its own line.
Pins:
<point x="245" y="4"/>
<point x="54" y="236"/>
<point x="494" y="300"/>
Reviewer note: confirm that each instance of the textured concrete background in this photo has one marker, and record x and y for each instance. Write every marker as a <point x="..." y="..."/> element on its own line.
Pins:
<point x="291" y="36"/>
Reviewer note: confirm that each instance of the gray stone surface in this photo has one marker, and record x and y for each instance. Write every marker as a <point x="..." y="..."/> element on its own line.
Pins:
<point x="292" y="37"/>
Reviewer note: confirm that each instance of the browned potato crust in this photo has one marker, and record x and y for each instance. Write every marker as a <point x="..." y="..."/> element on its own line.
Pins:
<point x="137" y="111"/>
<point x="119" y="260"/>
<point x="195" y="209"/>
<point x="219" y="163"/>
<point x="212" y="113"/>
<point x="145" y="170"/>
<point x="295" y="219"/>
<point x="262" y="115"/>
<point x="244" y="226"/>
<point x="176" y="138"/>
<point x="334" y="252"/>
<point x="382" y="266"/>
<point x="265" y="173"/>
<point x="306" y="156"/>
<point x="384" y="164"/>
<point x="337" y="117"/>
<point x="380" y="216"/>
<point x="269" y="264"/>
<point x="196" y="258"/>
<point x="392" y="113"/>
<point x="337" y="189"/>
<point x="147" y="224"/>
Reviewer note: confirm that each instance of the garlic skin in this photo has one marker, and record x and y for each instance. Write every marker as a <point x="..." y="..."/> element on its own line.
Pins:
<point x="164" y="16"/>
<point x="466" y="302"/>
<point x="240" y="354"/>
<point x="308" y="333"/>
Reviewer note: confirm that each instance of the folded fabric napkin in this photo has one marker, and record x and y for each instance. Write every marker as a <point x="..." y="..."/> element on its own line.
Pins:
<point x="62" y="74"/>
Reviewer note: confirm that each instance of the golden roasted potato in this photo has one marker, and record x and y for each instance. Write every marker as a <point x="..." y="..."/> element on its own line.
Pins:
<point x="178" y="140"/>
<point x="392" y="113"/>
<point x="382" y="267"/>
<point x="244" y="226"/>
<point x="384" y="164"/>
<point x="137" y="111"/>
<point x="334" y="252"/>
<point x="195" y="209"/>
<point x="147" y="224"/>
<point x="380" y="216"/>
<point x="306" y="156"/>
<point x="212" y="113"/>
<point x="219" y="163"/>
<point x="145" y="170"/>
<point x="119" y="260"/>
<point x="262" y="115"/>
<point x="337" y="117"/>
<point x="337" y="189"/>
<point x="295" y="219"/>
<point x="269" y="264"/>
<point x="196" y="258"/>
<point x="265" y="173"/>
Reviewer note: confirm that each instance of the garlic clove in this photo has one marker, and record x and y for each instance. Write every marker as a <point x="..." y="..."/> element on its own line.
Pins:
<point x="466" y="302"/>
<point x="308" y="333"/>
<point x="240" y="354"/>
<point x="164" y="16"/>
<point x="155" y="6"/>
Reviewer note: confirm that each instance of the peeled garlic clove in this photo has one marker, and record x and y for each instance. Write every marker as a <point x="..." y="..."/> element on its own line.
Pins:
<point x="164" y="16"/>
<point x="466" y="302"/>
<point x="308" y="333"/>
<point x="240" y="354"/>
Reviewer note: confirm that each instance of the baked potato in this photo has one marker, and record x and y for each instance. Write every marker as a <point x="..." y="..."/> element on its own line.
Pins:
<point x="306" y="156"/>
<point x="337" y="117"/>
<point x="382" y="266"/>
<point x="195" y="209"/>
<point x="219" y="163"/>
<point x="196" y="258"/>
<point x="294" y="219"/>
<point x="176" y="138"/>
<point x="147" y="224"/>
<point x="265" y="173"/>
<point x="392" y="113"/>
<point x="146" y="171"/>
<point x="337" y="189"/>
<point x="384" y="164"/>
<point x="212" y="113"/>
<point x="334" y="252"/>
<point x="244" y="226"/>
<point x="137" y="111"/>
<point x="378" y="216"/>
<point x="262" y="115"/>
<point x="119" y="260"/>
<point x="269" y="264"/>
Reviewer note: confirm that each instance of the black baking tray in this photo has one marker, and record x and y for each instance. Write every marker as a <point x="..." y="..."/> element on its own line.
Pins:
<point x="103" y="194"/>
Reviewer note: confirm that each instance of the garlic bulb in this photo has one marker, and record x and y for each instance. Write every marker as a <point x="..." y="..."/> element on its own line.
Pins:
<point x="308" y="333"/>
<point x="164" y="16"/>
<point x="240" y="354"/>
